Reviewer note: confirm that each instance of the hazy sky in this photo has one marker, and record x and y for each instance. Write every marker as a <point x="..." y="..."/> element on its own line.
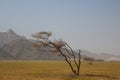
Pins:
<point x="93" y="25"/>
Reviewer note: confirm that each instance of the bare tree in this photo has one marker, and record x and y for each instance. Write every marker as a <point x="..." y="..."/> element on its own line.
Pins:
<point x="60" y="46"/>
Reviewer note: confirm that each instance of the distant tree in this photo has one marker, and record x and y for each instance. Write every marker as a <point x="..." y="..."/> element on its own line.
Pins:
<point x="89" y="60"/>
<point x="100" y="60"/>
<point x="60" y="46"/>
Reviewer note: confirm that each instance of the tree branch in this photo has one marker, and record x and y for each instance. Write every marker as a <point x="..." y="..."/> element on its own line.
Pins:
<point x="74" y="58"/>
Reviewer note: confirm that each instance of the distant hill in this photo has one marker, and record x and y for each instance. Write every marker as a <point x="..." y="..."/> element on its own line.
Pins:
<point x="16" y="47"/>
<point x="103" y="56"/>
<point x="110" y="57"/>
<point x="89" y="54"/>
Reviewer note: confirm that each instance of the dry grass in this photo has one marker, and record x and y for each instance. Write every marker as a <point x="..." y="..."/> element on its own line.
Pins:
<point x="57" y="70"/>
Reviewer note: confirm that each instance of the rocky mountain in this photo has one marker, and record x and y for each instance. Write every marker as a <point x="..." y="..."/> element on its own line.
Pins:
<point x="7" y="37"/>
<point x="5" y="55"/>
<point x="15" y="47"/>
<point x="23" y="50"/>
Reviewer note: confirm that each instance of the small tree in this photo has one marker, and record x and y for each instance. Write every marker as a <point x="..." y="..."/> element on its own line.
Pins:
<point x="59" y="46"/>
<point x="89" y="60"/>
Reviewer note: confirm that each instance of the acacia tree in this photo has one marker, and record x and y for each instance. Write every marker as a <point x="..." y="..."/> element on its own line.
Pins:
<point x="44" y="40"/>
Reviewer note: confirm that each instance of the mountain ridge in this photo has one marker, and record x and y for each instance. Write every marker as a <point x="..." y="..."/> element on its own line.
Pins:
<point x="16" y="47"/>
<point x="7" y="37"/>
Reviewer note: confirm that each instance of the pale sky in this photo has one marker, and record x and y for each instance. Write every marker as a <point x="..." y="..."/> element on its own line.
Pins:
<point x="92" y="25"/>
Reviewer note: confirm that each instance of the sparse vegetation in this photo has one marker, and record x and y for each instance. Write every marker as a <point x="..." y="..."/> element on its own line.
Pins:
<point x="57" y="70"/>
<point x="89" y="60"/>
<point x="64" y="49"/>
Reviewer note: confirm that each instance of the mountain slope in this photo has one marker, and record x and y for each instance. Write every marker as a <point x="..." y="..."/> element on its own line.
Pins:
<point x="7" y="37"/>
<point x="5" y="56"/>
<point x="22" y="49"/>
<point x="89" y="54"/>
